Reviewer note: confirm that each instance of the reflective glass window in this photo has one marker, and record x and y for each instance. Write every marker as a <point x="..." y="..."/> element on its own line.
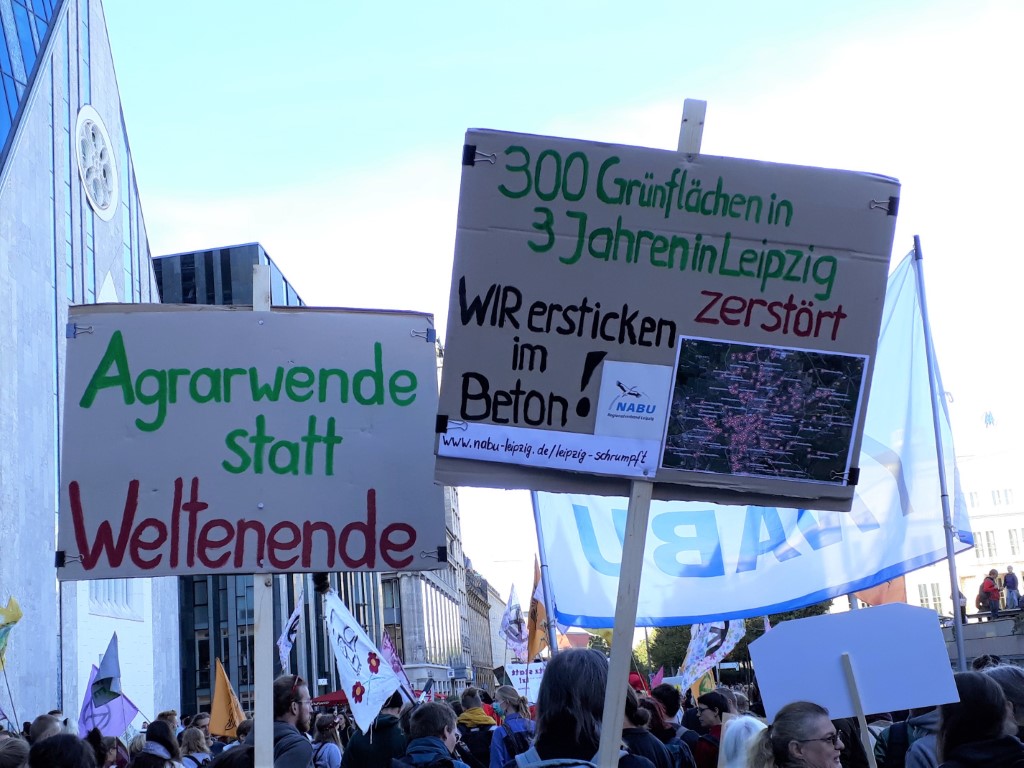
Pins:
<point x="28" y="46"/>
<point x="10" y="94"/>
<point x="5" y="57"/>
<point x="277" y="297"/>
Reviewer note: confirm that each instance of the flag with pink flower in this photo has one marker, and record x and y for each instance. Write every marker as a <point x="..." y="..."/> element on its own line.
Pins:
<point x="367" y="679"/>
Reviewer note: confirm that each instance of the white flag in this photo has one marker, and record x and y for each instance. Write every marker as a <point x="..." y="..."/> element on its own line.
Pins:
<point x="107" y="685"/>
<point x="367" y="679"/>
<point x="287" y="639"/>
<point x="709" y="644"/>
<point x="514" y="627"/>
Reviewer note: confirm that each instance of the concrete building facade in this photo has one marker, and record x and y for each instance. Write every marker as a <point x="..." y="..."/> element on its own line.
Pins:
<point x="988" y="472"/>
<point x="480" y="648"/>
<point x="496" y="609"/>
<point x="427" y="615"/>
<point x="71" y="232"/>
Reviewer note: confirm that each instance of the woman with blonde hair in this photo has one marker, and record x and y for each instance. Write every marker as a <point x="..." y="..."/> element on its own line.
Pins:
<point x="194" y="749"/>
<point x="515" y="733"/>
<point x="800" y="735"/>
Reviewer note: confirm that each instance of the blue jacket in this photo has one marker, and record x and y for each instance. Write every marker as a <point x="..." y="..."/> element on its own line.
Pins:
<point x="518" y="724"/>
<point x="427" y="750"/>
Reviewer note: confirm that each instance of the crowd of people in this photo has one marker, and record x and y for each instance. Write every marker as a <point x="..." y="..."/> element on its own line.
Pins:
<point x="662" y="729"/>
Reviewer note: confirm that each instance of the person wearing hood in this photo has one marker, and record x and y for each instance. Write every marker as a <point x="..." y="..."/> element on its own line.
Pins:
<point x="976" y="732"/>
<point x="476" y="727"/>
<point x="433" y="734"/>
<point x="913" y="736"/>
<point x="382" y="742"/>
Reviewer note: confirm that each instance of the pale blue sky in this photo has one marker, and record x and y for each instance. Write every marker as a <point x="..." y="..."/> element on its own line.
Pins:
<point x="331" y="132"/>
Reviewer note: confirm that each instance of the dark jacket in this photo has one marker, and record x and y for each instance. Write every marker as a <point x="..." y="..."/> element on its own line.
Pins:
<point x="640" y="741"/>
<point x="852" y="755"/>
<point x="705" y="751"/>
<point x="428" y="750"/>
<point x="291" y="748"/>
<point x="376" y="747"/>
<point x="561" y="744"/>
<point x="1004" y="752"/>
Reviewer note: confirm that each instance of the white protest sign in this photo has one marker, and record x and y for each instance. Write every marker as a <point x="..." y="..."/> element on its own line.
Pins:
<point x="897" y="653"/>
<point x="606" y="299"/>
<point x="526" y="678"/>
<point x="211" y="440"/>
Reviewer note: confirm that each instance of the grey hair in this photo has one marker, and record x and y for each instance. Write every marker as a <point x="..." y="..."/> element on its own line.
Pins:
<point x="793" y="722"/>
<point x="1011" y="680"/>
<point x="737" y="737"/>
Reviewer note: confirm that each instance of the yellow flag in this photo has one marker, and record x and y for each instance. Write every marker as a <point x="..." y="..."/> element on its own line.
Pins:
<point x="9" y="616"/>
<point x="704" y="684"/>
<point x="226" y="713"/>
<point x="537" y="626"/>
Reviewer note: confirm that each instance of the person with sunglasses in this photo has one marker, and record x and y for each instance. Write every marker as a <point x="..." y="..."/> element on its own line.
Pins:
<point x="800" y="736"/>
<point x="293" y="712"/>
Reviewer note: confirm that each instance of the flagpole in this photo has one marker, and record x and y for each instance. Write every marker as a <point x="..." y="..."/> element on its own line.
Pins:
<point x="947" y="521"/>
<point x="647" y="647"/>
<point x="11" y="696"/>
<point x="545" y="581"/>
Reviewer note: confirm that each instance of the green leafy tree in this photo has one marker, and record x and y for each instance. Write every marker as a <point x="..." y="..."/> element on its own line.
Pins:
<point x="668" y="644"/>
<point x="598" y="643"/>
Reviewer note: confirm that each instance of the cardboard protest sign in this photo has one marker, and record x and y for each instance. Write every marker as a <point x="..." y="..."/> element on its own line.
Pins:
<point x="705" y="322"/>
<point x="526" y="678"/>
<point x="801" y="660"/>
<point x="212" y="440"/>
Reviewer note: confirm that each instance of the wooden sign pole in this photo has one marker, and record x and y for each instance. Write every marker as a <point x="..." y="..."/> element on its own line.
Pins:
<point x="690" y="135"/>
<point x="263" y="599"/>
<point x="862" y="720"/>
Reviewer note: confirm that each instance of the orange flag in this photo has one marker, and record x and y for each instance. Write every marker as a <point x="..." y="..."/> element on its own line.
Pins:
<point x="226" y="713"/>
<point x="894" y="591"/>
<point x="537" y="626"/>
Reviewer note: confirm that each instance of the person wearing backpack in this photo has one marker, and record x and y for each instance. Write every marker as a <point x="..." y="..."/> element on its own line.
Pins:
<point x="990" y="590"/>
<point x="476" y="728"/>
<point x="570" y="705"/>
<point x="515" y="733"/>
<point x="894" y="742"/>
<point x="636" y="736"/>
<point x="326" y="742"/>
<point x="433" y="734"/>
<point x="194" y="749"/>
<point x="665" y="731"/>
<point x="711" y="706"/>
